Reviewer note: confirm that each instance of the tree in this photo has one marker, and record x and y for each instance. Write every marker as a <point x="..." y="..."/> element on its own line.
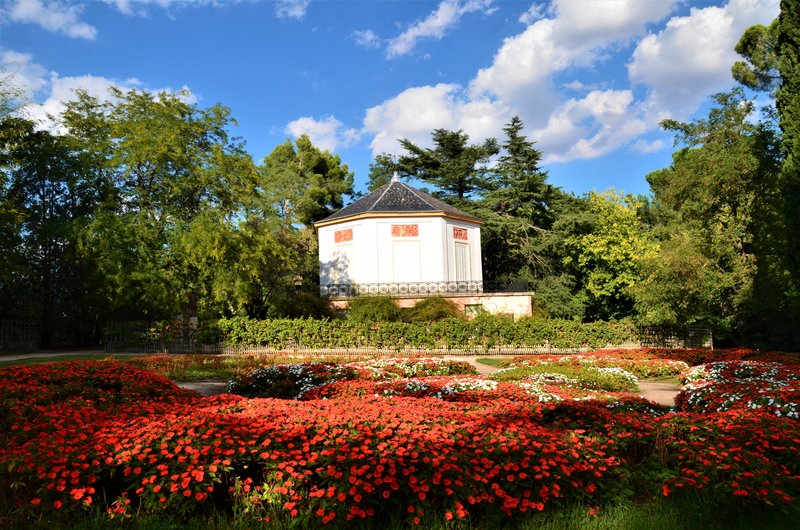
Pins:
<point x="515" y="207"/>
<point x="610" y="254"/>
<point x="44" y="205"/>
<point x="159" y="163"/>
<point x="721" y="260"/>
<point x="788" y="104"/>
<point x="303" y="183"/>
<point x="452" y="166"/>
<point x="758" y="47"/>
<point x="772" y="63"/>
<point x="381" y="171"/>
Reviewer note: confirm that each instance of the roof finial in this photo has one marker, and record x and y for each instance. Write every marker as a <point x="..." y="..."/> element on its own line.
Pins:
<point x="395" y="177"/>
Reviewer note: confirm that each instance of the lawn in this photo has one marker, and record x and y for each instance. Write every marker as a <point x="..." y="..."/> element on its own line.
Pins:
<point x="548" y="442"/>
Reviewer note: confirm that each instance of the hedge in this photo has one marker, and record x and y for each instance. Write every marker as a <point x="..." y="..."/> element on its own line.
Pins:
<point x="451" y="334"/>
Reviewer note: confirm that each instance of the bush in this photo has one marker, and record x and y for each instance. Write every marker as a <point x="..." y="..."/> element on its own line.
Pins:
<point x="301" y="305"/>
<point x="433" y="309"/>
<point x="459" y="334"/>
<point x="368" y="309"/>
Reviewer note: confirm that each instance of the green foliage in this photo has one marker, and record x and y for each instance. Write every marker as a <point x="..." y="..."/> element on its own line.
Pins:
<point x="757" y="46"/>
<point x="169" y="178"/>
<point x="303" y="183"/>
<point x="366" y="309"/>
<point x="44" y="202"/>
<point x="451" y="165"/>
<point x="610" y="253"/>
<point x="477" y="335"/>
<point x="433" y="309"/>
<point x="788" y="103"/>
<point x="516" y="208"/>
<point x="722" y="238"/>
<point x="381" y="171"/>
<point x="300" y="305"/>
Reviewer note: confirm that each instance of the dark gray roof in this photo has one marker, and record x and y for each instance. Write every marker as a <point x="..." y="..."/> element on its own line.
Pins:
<point x="397" y="197"/>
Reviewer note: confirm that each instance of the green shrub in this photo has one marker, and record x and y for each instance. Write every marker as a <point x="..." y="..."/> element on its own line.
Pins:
<point x="368" y="309"/>
<point x="456" y="334"/>
<point x="433" y="309"/>
<point x="301" y="305"/>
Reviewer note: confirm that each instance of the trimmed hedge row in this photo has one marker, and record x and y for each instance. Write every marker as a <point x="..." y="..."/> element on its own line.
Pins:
<point x="480" y="334"/>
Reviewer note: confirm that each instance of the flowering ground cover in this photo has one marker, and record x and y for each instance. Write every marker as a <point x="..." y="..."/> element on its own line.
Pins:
<point x="109" y="438"/>
<point x="735" y="385"/>
<point x="640" y="362"/>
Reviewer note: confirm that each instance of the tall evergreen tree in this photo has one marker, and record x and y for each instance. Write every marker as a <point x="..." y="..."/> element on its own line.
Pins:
<point x="515" y="208"/>
<point x="454" y="167"/>
<point x="788" y="103"/>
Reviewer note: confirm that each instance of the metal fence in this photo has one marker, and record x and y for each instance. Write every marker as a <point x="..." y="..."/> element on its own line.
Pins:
<point x="675" y="337"/>
<point x="19" y="335"/>
<point x="414" y="289"/>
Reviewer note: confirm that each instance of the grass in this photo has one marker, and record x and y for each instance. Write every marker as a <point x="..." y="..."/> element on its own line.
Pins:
<point x="31" y="361"/>
<point x="687" y="513"/>
<point x="497" y="362"/>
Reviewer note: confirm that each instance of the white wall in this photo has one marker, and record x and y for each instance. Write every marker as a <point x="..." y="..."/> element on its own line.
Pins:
<point x="375" y="256"/>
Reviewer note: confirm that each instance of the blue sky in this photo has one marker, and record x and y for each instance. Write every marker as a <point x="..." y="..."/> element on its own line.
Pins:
<point x="591" y="79"/>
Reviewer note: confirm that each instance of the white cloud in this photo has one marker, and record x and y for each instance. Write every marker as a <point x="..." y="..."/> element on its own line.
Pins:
<point x="590" y="127"/>
<point x="520" y="81"/>
<point x="523" y="67"/>
<point x="55" y="90"/>
<point x="415" y="112"/>
<point x="327" y="133"/>
<point x="367" y="38"/>
<point x="51" y="16"/>
<point x="534" y="13"/>
<point x="18" y="70"/>
<point x="291" y="8"/>
<point x="644" y="147"/>
<point x="692" y="56"/>
<point x="436" y="24"/>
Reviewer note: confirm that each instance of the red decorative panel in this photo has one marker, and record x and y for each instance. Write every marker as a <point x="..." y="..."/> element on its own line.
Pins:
<point x="460" y="233"/>
<point x="340" y="236"/>
<point x="405" y="230"/>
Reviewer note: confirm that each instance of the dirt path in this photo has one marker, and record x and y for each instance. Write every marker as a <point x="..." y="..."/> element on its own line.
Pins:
<point x="660" y="392"/>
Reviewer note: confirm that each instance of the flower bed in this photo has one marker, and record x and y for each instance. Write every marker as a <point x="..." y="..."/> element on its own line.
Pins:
<point x="122" y="440"/>
<point x="641" y="363"/>
<point x="293" y="381"/>
<point x="723" y="386"/>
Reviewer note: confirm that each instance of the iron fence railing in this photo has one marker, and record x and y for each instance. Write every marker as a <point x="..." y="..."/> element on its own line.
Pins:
<point x="411" y="289"/>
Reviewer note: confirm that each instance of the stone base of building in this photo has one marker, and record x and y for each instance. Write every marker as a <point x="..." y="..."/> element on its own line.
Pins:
<point x="515" y="305"/>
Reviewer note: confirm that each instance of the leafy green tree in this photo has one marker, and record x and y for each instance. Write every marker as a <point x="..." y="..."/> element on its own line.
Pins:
<point x="303" y="183"/>
<point x="159" y="163"/>
<point x="609" y="255"/>
<point x="455" y="168"/>
<point x="720" y="260"/>
<point x="44" y="204"/>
